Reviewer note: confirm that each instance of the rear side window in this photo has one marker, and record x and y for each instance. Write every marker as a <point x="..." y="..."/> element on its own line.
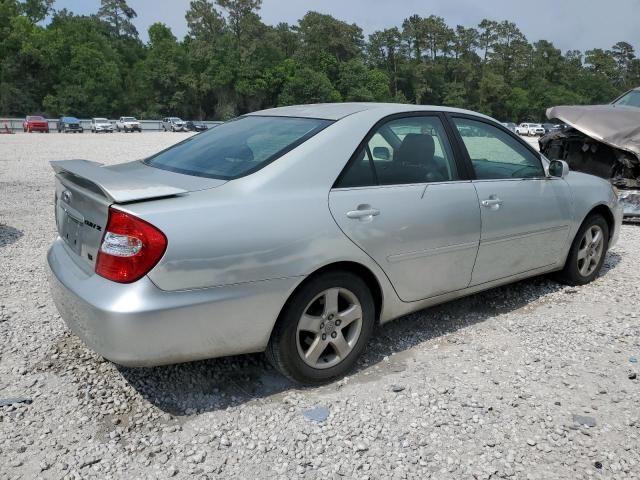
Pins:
<point x="237" y="148"/>
<point x="402" y="151"/>
<point x="495" y="154"/>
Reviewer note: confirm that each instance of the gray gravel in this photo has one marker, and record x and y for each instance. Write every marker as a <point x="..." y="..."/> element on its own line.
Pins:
<point x="528" y="381"/>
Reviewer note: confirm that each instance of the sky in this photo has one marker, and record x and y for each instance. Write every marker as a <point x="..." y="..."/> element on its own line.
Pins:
<point x="569" y="24"/>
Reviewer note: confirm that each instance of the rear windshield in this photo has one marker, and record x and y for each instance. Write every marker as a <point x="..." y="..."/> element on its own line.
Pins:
<point x="237" y="148"/>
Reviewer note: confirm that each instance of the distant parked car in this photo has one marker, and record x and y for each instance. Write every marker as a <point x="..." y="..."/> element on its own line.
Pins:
<point x="35" y="123"/>
<point x="530" y="129"/>
<point x="510" y="125"/>
<point x="101" y="125"/>
<point x="196" y="126"/>
<point x="550" y="127"/>
<point x="69" y="124"/>
<point x="174" y="124"/>
<point x="536" y="130"/>
<point x="128" y="124"/>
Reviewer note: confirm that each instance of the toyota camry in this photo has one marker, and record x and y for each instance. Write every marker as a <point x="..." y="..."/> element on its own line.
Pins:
<point x="296" y="230"/>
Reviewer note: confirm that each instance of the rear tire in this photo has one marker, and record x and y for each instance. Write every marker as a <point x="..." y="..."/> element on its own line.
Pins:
<point x="588" y="252"/>
<point x="323" y="329"/>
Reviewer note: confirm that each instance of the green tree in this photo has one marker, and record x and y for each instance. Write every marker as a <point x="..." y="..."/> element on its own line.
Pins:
<point x="308" y="86"/>
<point x="118" y="14"/>
<point x="325" y="42"/>
<point x="204" y="21"/>
<point x="230" y="63"/>
<point x="37" y="10"/>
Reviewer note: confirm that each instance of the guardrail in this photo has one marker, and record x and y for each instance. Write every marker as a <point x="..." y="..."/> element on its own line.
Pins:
<point x="15" y="124"/>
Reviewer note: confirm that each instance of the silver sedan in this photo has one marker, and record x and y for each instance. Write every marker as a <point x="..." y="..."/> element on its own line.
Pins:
<point x="295" y="230"/>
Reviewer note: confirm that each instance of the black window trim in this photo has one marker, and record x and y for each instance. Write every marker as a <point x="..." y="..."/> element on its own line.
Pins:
<point x="458" y="158"/>
<point x="450" y="116"/>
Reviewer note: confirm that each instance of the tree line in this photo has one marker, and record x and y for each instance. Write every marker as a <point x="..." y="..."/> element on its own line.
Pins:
<point x="55" y="62"/>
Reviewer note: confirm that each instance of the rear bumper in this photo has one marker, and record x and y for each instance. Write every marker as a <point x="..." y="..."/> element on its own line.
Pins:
<point x="140" y="325"/>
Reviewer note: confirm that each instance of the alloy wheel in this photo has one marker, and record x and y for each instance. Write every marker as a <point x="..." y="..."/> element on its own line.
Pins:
<point x="590" y="250"/>
<point x="329" y="328"/>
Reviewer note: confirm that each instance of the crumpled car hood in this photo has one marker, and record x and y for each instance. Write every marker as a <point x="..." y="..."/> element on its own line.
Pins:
<point x="615" y="125"/>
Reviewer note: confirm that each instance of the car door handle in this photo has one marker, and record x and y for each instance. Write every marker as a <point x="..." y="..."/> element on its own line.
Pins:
<point x="368" y="212"/>
<point x="491" y="202"/>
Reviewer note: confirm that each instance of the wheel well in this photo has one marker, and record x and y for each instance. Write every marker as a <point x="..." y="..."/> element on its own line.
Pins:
<point x="360" y="270"/>
<point x="608" y="216"/>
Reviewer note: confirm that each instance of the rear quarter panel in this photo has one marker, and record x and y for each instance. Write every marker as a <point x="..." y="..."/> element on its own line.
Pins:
<point x="272" y="224"/>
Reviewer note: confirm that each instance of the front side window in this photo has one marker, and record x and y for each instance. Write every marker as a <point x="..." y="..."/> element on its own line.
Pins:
<point x="237" y="148"/>
<point x="402" y="151"/>
<point x="495" y="154"/>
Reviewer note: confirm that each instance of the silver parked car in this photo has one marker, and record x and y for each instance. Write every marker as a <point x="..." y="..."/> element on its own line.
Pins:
<point x="101" y="125"/>
<point x="174" y="124"/>
<point x="295" y="230"/>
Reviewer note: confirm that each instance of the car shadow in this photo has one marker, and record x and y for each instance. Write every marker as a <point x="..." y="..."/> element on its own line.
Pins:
<point x="9" y="235"/>
<point x="197" y="387"/>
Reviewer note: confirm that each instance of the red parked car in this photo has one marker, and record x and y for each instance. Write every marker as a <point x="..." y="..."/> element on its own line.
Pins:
<point x="35" y="123"/>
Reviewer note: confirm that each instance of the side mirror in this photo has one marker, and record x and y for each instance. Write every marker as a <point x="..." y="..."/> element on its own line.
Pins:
<point x="558" y="168"/>
<point x="381" y="153"/>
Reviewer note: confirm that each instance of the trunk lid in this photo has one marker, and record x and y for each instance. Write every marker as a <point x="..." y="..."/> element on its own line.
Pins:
<point x="85" y="190"/>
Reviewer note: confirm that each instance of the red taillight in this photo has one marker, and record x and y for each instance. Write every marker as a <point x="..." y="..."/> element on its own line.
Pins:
<point x="130" y="248"/>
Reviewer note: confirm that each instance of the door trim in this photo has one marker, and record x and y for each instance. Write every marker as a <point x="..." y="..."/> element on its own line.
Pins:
<point x="401" y="257"/>
<point x="506" y="238"/>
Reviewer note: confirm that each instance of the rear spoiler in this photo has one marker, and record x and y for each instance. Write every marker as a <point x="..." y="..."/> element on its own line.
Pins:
<point x="116" y="186"/>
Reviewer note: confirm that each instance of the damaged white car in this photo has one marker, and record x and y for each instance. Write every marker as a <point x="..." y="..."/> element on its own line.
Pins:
<point x="603" y="140"/>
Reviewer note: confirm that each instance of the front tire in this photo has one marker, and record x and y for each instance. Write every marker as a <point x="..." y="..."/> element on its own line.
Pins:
<point x="323" y="329"/>
<point x="588" y="251"/>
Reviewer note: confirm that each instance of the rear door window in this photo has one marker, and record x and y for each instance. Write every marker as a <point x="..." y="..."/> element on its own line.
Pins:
<point x="403" y="151"/>
<point x="237" y="148"/>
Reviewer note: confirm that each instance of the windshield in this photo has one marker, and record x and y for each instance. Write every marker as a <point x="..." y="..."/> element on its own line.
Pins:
<point x="237" y="148"/>
<point x="70" y="119"/>
<point x="629" y="99"/>
<point x="128" y="119"/>
<point x="175" y="119"/>
<point x="35" y="118"/>
<point x="101" y="120"/>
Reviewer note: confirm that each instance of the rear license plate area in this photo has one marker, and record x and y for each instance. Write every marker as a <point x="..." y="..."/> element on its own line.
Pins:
<point x="71" y="231"/>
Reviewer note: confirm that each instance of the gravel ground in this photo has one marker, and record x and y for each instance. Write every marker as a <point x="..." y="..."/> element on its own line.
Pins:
<point x="527" y="381"/>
